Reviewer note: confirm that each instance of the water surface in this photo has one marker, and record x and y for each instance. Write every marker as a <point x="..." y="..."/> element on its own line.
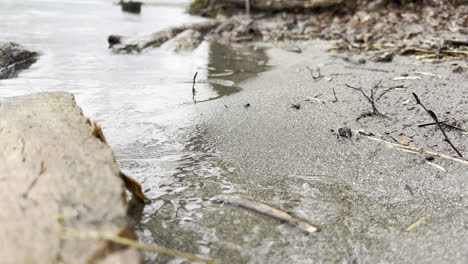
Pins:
<point x="143" y="102"/>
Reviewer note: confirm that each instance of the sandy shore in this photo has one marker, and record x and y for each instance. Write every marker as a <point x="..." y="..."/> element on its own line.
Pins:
<point x="363" y="194"/>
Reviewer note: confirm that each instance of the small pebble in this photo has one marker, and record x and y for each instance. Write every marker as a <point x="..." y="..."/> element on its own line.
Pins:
<point x="296" y="106"/>
<point x="384" y="57"/>
<point x="429" y="158"/>
<point x="345" y="132"/>
<point x="458" y="69"/>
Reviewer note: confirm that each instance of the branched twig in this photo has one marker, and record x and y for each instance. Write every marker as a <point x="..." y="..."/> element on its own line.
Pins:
<point x="433" y="116"/>
<point x="370" y="98"/>
<point x="193" y="88"/>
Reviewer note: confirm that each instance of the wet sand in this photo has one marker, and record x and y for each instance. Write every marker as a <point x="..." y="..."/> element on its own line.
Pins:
<point x="361" y="193"/>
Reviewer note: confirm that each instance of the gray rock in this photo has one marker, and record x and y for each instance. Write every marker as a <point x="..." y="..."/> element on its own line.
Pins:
<point x="57" y="174"/>
<point x="345" y="132"/>
<point x="14" y="57"/>
<point x="383" y="57"/>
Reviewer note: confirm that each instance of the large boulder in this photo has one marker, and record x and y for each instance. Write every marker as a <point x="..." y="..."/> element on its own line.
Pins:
<point x="57" y="174"/>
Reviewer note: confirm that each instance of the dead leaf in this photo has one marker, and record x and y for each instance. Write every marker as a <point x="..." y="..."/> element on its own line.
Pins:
<point x="134" y="188"/>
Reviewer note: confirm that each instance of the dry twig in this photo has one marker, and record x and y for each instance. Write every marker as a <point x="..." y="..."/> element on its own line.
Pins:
<point x="194" y="92"/>
<point x="71" y="233"/>
<point x="334" y="94"/>
<point x="418" y="222"/>
<point x="371" y="99"/>
<point x="411" y="149"/>
<point x="267" y="210"/>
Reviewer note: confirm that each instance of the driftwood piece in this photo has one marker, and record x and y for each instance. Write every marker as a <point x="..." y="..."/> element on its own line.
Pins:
<point x="56" y="174"/>
<point x="283" y="4"/>
<point x="268" y="210"/>
<point x="120" y="43"/>
<point x="14" y="57"/>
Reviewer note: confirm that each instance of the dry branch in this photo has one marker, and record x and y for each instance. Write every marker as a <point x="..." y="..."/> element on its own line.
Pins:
<point x="267" y="210"/>
<point x="370" y="98"/>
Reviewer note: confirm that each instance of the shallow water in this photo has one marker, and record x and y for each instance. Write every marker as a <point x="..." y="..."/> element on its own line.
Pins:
<point x="143" y="102"/>
<point x="361" y="194"/>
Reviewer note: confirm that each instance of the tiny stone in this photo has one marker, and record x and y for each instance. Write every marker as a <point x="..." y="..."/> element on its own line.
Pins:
<point x="458" y="69"/>
<point x="430" y="158"/>
<point x="345" y="132"/>
<point x="384" y="57"/>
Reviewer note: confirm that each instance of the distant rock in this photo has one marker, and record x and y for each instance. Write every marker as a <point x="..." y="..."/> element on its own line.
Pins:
<point x="131" y="7"/>
<point x="186" y="41"/>
<point x="14" y="57"/>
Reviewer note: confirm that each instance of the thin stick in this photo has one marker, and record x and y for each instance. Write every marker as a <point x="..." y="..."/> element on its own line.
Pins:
<point x="91" y="234"/>
<point x="433" y="116"/>
<point x="334" y="94"/>
<point x="443" y="51"/>
<point x="418" y="222"/>
<point x="267" y="210"/>
<point x="436" y="166"/>
<point x="409" y="189"/>
<point x="247" y="7"/>
<point x="367" y="69"/>
<point x="388" y="89"/>
<point x="443" y="123"/>
<point x="194" y="92"/>
<point x="414" y="150"/>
